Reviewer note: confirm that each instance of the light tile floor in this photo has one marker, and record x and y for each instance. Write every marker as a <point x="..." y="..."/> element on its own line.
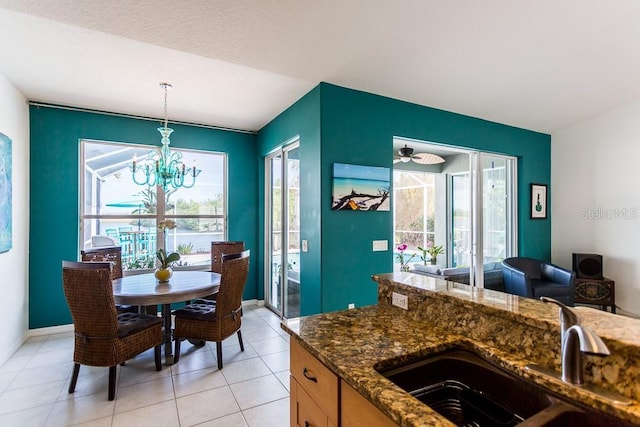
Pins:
<point x="251" y="390"/>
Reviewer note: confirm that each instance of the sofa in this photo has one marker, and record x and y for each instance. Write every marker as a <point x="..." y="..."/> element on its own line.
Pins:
<point x="533" y="278"/>
<point x="492" y="274"/>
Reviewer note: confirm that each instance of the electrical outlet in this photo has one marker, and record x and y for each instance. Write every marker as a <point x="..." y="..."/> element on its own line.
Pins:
<point x="400" y="300"/>
<point x="380" y="245"/>
<point x="351" y="305"/>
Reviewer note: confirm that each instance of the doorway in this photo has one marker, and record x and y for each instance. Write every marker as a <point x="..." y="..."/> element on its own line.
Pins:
<point x="465" y="205"/>
<point x="282" y="228"/>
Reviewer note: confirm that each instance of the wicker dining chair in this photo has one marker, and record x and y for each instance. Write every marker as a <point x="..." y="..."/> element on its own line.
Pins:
<point x="216" y="322"/>
<point x="112" y="254"/>
<point x="220" y="248"/>
<point x="217" y="250"/>
<point x="103" y="337"/>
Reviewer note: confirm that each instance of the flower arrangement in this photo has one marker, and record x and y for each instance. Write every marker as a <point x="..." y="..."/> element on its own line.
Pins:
<point x="432" y="250"/>
<point x="404" y="265"/>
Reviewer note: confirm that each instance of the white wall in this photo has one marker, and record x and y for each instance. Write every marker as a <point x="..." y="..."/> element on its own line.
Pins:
<point x="14" y="287"/>
<point x="595" y="197"/>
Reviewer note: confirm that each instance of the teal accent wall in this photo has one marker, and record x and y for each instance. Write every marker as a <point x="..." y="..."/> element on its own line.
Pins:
<point x="334" y="125"/>
<point x="54" y="180"/>
<point x="358" y="128"/>
<point x="301" y="120"/>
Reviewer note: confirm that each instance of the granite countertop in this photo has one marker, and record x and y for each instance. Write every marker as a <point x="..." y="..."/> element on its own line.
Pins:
<point x="352" y="343"/>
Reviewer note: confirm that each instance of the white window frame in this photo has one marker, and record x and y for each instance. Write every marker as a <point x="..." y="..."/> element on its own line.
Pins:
<point x="160" y="201"/>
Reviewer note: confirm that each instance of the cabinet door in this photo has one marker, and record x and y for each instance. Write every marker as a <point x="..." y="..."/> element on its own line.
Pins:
<point x="359" y="412"/>
<point x="316" y="379"/>
<point x="304" y="411"/>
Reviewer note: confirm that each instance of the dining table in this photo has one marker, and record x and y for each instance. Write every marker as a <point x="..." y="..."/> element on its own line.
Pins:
<point x="144" y="290"/>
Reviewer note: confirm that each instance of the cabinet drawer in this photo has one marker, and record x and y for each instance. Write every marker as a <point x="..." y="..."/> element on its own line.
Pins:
<point x="316" y="379"/>
<point x="306" y="412"/>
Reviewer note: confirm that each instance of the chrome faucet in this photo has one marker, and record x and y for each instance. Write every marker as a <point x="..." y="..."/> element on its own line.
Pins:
<point x="575" y="340"/>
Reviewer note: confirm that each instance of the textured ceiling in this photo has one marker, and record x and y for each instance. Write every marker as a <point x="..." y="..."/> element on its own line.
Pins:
<point x="541" y="65"/>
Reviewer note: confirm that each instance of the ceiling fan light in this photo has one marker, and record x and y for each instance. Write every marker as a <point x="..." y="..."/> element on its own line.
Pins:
<point x="405" y="159"/>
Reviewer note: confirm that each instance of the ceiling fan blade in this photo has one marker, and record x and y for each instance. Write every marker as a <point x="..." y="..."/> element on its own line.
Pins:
<point x="396" y="160"/>
<point x="427" y="159"/>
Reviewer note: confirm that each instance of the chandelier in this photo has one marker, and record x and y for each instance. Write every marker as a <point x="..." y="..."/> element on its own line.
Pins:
<point x="161" y="166"/>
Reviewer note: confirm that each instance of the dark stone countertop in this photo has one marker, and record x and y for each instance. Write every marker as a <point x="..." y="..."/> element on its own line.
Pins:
<point x="508" y="330"/>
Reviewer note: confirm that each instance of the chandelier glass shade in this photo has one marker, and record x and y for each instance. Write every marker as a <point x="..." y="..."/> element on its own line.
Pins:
<point x="161" y="166"/>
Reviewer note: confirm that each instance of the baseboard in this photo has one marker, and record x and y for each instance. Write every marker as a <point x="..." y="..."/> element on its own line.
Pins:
<point x="627" y="313"/>
<point x="248" y="302"/>
<point x="50" y="330"/>
<point x="69" y="328"/>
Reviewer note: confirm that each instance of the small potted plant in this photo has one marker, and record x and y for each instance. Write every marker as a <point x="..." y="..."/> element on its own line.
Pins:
<point x="165" y="260"/>
<point x="400" y="256"/>
<point x="430" y="253"/>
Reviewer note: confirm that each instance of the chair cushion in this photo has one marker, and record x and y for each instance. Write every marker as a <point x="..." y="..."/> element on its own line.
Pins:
<point x="548" y="289"/>
<point x="433" y="269"/>
<point x="129" y="323"/>
<point x="126" y="309"/>
<point x="197" y="311"/>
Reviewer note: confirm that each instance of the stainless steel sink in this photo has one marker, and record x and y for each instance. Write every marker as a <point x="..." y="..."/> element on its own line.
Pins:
<point x="470" y="391"/>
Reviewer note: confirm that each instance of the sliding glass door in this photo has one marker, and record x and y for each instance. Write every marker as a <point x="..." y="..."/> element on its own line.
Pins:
<point x="467" y="205"/>
<point x="493" y="216"/>
<point x="282" y="225"/>
<point x="460" y="211"/>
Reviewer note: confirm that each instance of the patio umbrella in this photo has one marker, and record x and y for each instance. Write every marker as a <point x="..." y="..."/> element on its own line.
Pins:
<point x="129" y="204"/>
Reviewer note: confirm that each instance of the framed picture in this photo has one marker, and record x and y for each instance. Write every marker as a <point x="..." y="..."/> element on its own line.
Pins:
<point x="538" y="201"/>
<point x="360" y="188"/>
<point x="5" y="193"/>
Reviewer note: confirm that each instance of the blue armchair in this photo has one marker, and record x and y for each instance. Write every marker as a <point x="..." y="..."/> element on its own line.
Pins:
<point x="533" y="278"/>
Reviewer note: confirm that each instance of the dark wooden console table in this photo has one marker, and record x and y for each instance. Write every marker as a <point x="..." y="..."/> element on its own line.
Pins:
<point x="596" y="292"/>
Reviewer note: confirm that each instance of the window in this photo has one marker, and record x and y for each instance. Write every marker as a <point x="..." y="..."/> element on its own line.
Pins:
<point x="414" y="209"/>
<point x="114" y="208"/>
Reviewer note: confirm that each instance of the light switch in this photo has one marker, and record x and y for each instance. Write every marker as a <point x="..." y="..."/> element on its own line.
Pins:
<point x="305" y="246"/>
<point x="380" y="245"/>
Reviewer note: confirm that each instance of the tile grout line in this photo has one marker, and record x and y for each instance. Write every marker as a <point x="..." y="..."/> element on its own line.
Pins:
<point x="40" y="350"/>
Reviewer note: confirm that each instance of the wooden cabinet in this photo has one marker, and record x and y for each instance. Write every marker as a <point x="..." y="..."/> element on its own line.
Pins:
<point x="356" y="411"/>
<point x="319" y="399"/>
<point x="304" y="410"/>
<point x="314" y="390"/>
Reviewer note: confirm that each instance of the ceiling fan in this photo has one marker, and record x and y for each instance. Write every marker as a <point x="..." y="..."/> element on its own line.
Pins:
<point x="405" y="154"/>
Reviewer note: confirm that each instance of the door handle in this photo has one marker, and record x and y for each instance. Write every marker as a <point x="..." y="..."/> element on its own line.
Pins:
<point x="307" y="375"/>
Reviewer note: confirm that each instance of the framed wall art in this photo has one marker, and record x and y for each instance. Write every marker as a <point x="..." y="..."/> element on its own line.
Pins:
<point x="5" y="193"/>
<point x="361" y="188"/>
<point x="538" y="201"/>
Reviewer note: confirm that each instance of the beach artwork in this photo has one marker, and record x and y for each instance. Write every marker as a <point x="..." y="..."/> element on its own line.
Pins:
<point x="5" y="193"/>
<point x="360" y="188"/>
